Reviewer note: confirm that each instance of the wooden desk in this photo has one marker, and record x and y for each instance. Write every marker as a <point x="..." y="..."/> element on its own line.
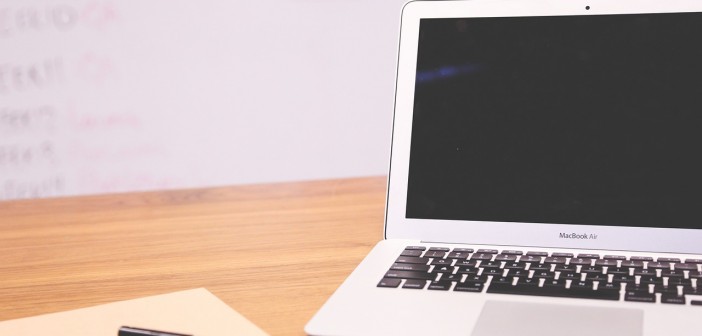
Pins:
<point x="272" y="252"/>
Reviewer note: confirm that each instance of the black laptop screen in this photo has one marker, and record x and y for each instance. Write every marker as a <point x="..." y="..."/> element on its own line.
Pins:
<point x="574" y="119"/>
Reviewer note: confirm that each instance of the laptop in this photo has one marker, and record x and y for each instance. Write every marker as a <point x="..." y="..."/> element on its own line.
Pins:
<point x="545" y="175"/>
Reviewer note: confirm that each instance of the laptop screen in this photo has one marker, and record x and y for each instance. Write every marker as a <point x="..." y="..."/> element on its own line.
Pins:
<point x="591" y="120"/>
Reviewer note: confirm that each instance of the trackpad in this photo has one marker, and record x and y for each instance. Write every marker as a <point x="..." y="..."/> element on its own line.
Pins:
<point x="518" y="318"/>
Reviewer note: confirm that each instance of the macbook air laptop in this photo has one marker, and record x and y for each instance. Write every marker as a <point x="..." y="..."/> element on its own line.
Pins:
<point x="545" y="175"/>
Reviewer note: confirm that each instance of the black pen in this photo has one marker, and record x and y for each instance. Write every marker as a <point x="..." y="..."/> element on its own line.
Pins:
<point x="131" y="331"/>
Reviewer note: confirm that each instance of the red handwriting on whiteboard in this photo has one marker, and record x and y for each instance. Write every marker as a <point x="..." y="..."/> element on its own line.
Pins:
<point x="116" y="152"/>
<point x="95" y="69"/>
<point x="105" y="122"/>
<point x="99" y="14"/>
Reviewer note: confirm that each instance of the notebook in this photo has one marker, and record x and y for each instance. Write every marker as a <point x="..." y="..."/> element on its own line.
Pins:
<point x="544" y="177"/>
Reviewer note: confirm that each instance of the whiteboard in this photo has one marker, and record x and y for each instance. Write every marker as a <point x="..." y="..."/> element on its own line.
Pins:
<point x="116" y="96"/>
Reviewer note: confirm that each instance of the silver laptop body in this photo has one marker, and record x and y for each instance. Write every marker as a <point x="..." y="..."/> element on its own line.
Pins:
<point x="545" y="175"/>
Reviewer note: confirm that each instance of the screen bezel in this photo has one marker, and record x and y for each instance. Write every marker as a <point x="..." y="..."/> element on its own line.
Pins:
<point x="397" y="226"/>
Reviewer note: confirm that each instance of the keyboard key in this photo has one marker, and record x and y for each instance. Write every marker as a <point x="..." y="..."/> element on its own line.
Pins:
<point x="638" y="296"/>
<point x="530" y="259"/>
<point x="462" y="249"/>
<point x="554" y="292"/>
<point x="618" y="270"/>
<point x="651" y="280"/>
<point x="409" y="275"/>
<point x="490" y="264"/>
<point x="633" y="264"/>
<point x="673" y="274"/>
<point x="420" y="248"/>
<point x="596" y="277"/>
<point x="636" y="258"/>
<point x="588" y="256"/>
<point x="467" y="270"/>
<point x="638" y="288"/>
<point x="475" y="287"/>
<point x="555" y="283"/>
<point x="555" y="260"/>
<point x="659" y="265"/>
<point x="492" y="271"/>
<point x="476" y="278"/>
<point x="623" y="279"/>
<point x="481" y="256"/>
<point x="515" y="266"/>
<point x="606" y="262"/>
<point x="518" y="273"/>
<point x="451" y="277"/>
<point x="488" y="251"/>
<point x="645" y="272"/>
<point x="540" y="267"/>
<point x="410" y="267"/>
<point x="506" y="257"/>
<point x="512" y="252"/>
<point x="692" y="290"/>
<point x="693" y="261"/>
<point x="581" y="261"/>
<point x="581" y="285"/>
<point x="439" y="285"/>
<point x="544" y="275"/>
<point x="591" y="269"/>
<point x="665" y="289"/>
<point x="467" y="263"/>
<point x="441" y="262"/>
<point x="411" y="253"/>
<point x="679" y="282"/>
<point x="562" y="255"/>
<point x="435" y="254"/>
<point x="614" y="257"/>
<point x="442" y="269"/>
<point x="569" y="276"/>
<point x="392" y="283"/>
<point x="565" y="268"/>
<point x="458" y="255"/>
<point x="537" y="254"/>
<point x="412" y="260"/>
<point x="610" y="285"/>
<point x="528" y="282"/>
<point x="668" y="260"/>
<point x="685" y="267"/>
<point x="696" y="302"/>
<point x="440" y="249"/>
<point x="414" y="284"/>
<point x="672" y="298"/>
<point x="502" y="280"/>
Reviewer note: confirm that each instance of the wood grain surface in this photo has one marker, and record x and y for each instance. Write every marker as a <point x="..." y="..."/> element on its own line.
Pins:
<point x="273" y="252"/>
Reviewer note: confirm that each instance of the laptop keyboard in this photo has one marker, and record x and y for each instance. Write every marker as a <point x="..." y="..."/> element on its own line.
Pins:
<point x="585" y="276"/>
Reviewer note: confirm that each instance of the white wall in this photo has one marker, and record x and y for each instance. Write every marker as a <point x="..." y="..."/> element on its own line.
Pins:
<point x="112" y="96"/>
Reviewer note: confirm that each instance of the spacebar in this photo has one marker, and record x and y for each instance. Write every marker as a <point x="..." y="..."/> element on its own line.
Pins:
<point x="604" y="294"/>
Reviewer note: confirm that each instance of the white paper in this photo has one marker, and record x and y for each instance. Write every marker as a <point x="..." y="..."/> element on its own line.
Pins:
<point x="197" y="312"/>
